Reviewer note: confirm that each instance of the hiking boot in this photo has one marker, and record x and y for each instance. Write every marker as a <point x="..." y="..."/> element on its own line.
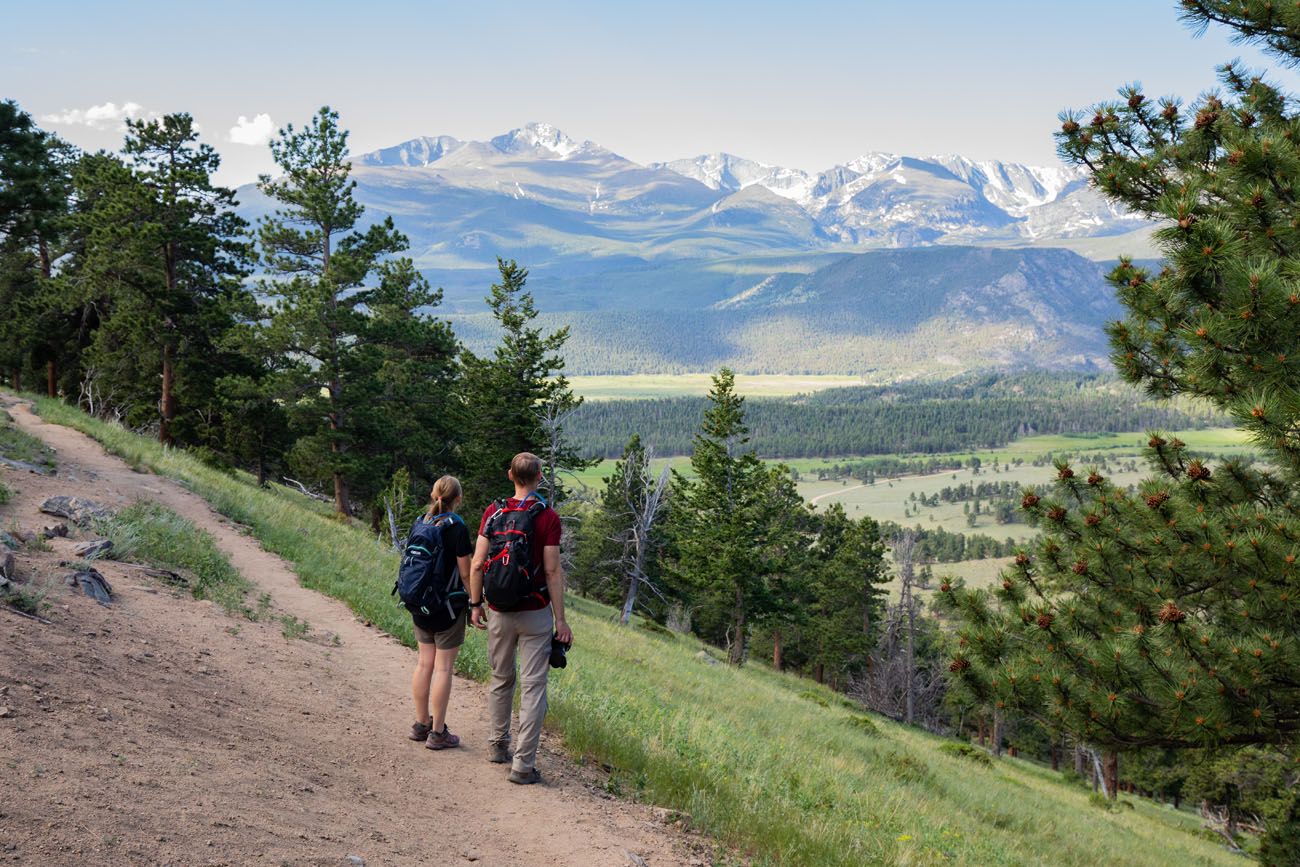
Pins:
<point x="442" y="740"/>
<point x="525" y="778"/>
<point x="420" y="731"/>
<point x="498" y="753"/>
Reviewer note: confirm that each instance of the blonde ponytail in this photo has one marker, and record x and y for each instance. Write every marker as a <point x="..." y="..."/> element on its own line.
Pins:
<point x="446" y="491"/>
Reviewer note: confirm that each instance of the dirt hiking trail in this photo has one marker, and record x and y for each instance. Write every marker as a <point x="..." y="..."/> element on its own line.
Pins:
<point x="163" y="731"/>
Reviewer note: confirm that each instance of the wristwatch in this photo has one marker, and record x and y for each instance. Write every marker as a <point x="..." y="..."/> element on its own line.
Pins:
<point x="478" y="604"/>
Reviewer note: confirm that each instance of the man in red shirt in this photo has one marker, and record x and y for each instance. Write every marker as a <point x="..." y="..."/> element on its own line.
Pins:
<point x="525" y="629"/>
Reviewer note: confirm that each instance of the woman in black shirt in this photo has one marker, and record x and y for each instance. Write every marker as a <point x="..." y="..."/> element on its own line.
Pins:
<point x="431" y="682"/>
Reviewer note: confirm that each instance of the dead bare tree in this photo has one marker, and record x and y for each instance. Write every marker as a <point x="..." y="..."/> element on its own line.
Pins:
<point x="555" y="452"/>
<point x="645" y="501"/>
<point x="890" y="678"/>
<point x="97" y="403"/>
<point x="553" y="417"/>
<point x="904" y="545"/>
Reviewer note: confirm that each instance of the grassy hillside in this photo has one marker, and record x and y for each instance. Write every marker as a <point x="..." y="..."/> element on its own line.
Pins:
<point x="777" y="768"/>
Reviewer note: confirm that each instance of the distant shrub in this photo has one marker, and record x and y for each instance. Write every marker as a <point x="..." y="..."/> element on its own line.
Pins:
<point x="864" y="724"/>
<point x="1100" y="801"/>
<point x="656" y="629"/>
<point x="815" y="697"/>
<point x="966" y="751"/>
<point x="908" y="768"/>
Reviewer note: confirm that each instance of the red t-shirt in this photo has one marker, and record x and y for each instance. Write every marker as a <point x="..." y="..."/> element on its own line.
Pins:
<point x="546" y="533"/>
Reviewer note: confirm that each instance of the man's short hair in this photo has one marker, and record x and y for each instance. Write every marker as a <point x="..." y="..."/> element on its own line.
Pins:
<point x="526" y="468"/>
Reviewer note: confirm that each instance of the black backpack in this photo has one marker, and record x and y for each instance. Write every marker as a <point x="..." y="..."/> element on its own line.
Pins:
<point x="421" y="585"/>
<point x="508" y="580"/>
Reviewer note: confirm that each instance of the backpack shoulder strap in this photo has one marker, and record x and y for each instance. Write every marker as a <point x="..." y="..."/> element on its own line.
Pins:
<point x="499" y="509"/>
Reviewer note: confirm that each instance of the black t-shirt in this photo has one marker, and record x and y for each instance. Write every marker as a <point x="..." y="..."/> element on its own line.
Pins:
<point x="455" y="540"/>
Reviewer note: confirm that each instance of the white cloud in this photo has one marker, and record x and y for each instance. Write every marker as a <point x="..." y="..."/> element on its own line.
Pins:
<point x="97" y="116"/>
<point x="257" y="131"/>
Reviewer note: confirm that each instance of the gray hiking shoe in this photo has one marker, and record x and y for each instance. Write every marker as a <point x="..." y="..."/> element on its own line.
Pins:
<point x="420" y="731"/>
<point x="499" y="753"/>
<point x="525" y="778"/>
<point x="443" y="740"/>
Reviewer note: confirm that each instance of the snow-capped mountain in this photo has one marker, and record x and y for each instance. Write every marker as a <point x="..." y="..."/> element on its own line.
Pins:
<point x="875" y="200"/>
<point x="652" y="248"/>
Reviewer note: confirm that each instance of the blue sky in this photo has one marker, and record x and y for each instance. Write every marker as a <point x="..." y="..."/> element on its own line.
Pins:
<point x="806" y="84"/>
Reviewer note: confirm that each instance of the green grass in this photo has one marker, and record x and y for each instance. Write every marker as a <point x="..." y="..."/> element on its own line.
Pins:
<point x="149" y="533"/>
<point x="27" y="599"/>
<point x="886" y="499"/>
<point x="17" y="445"/>
<point x="776" y="767"/>
<point x="6" y="494"/>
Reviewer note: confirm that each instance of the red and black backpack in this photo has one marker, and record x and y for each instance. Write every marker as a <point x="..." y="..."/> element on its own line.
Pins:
<point x="508" y="579"/>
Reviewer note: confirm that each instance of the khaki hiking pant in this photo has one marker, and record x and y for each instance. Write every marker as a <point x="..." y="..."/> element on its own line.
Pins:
<point x="527" y="634"/>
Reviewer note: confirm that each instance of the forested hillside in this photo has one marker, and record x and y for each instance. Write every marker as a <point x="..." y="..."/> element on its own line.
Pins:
<point x="932" y="312"/>
<point x="973" y="412"/>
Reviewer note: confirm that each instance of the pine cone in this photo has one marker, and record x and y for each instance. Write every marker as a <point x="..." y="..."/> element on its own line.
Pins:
<point x="1045" y="620"/>
<point x="959" y="664"/>
<point x="1171" y="613"/>
<point x="1198" y="471"/>
<point x="1056" y="514"/>
<point x="1157" y="499"/>
<point x="1022" y="559"/>
<point x="1155" y="442"/>
<point x="1080" y="567"/>
<point x="1065" y="473"/>
<point x="1095" y="479"/>
<point x="1030" y="500"/>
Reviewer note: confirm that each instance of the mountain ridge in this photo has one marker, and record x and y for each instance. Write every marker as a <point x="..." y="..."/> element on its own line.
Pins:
<point x="703" y="250"/>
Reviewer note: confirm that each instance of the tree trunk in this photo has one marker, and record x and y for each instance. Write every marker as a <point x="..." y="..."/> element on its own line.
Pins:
<point x="340" y="492"/>
<point x="1110" y="767"/>
<point x="168" y="400"/>
<point x="819" y="673"/>
<point x="629" y="602"/>
<point x="43" y="250"/>
<point x="261" y="471"/>
<point x="737" y="655"/>
<point x="1079" y="764"/>
<point x="983" y="739"/>
<point x="18" y="379"/>
<point x="997" y="733"/>
<point x="776" y="650"/>
<point x="1056" y="756"/>
<point x="51" y="379"/>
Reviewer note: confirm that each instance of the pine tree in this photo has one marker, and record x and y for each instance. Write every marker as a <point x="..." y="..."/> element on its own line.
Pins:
<point x="416" y="374"/>
<point x="317" y="262"/>
<point x="734" y="528"/>
<point x="35" y="186"/>
<point x="605" y="528"/>
<point x="508" y="396"/>
<point x="167" y="246"/>
<point x="846" y="593"/>
<point x="1169" y="617"/>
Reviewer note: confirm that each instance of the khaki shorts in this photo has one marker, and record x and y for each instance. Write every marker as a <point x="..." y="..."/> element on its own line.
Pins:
<point x="449" y="639"/>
